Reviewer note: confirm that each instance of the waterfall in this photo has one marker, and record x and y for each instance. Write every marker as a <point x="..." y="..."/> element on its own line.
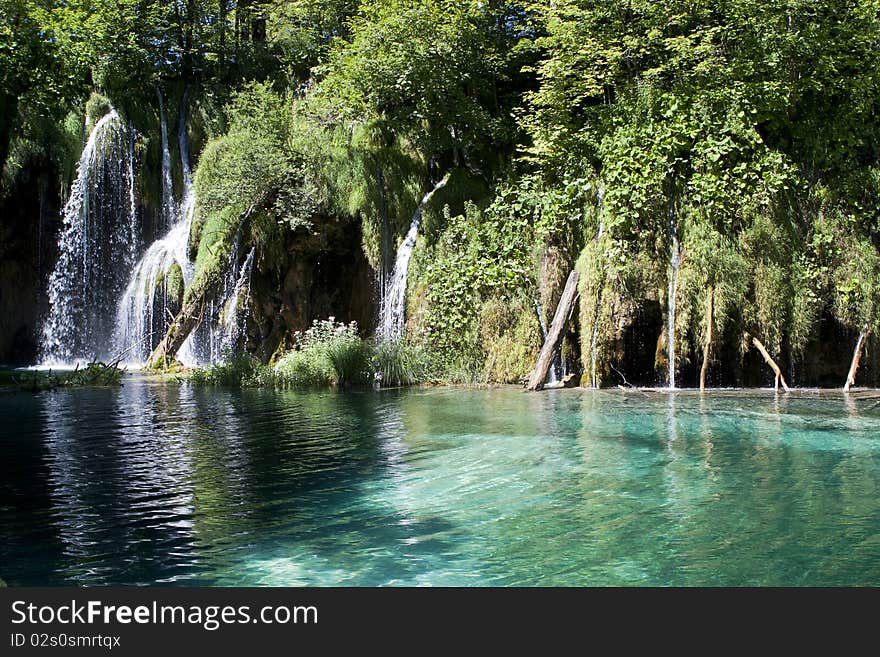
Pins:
<point x="142" y="315"/>
<point x="222" y="325"/>
<point x="392" y="307"/>
<point x="234" y="306"/>
<point x="168" y="210"/>
<point x="98" y="243"/>
<point x="594" y="337"/>
<point x="141" y="318"/>
<point x="674" y="266"/>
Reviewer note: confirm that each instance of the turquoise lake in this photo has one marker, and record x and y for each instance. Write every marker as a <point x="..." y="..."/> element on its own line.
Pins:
<point x="161" y="483"/>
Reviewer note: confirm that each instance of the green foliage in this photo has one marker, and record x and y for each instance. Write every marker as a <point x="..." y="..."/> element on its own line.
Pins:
<point x="303" y="31"/>
<point x="350" y="357"/>
<point x="478" y="255"/>
<point x="400" y="363"/>
<point x="304" y="368"/>
<point x="95" y="373"/>
<point x="96" y="107"/>
<point x="327" y="353"/>
<point x="428" y="69"/>
<point x="238" y="370"/>
<point x="510" y="335"/>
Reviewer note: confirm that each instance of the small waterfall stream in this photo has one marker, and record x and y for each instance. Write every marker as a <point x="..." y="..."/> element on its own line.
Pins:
<point x="392" y="307"/>
<point x="594" y="337"/>
<point x="223" y="325"/>
<point x="672" y="292"/>
<point x="168" y="209"/>
<point x="99" y="241"/>
<point x="141" y="317"/>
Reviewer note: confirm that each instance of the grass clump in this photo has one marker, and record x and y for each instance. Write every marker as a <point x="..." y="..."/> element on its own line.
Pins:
<point x="329" y="353"/>
<point x="95" y="373"/>
<point x="400" y="363"/>
<point x="239" y="370"/>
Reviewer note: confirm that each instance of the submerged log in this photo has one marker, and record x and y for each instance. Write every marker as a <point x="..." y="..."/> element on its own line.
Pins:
<point x="857" y="356"/>
<point x="710" y="303"/>
<point x="771" y="363"/>
<point x="554" y="333"/>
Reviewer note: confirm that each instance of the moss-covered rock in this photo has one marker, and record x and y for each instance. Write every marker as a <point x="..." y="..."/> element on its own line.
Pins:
<point x="510" y="335"/>
<point x="174" y="285"/>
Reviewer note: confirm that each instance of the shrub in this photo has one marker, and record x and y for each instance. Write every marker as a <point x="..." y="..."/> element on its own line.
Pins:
<point x="238" y="370"/>
<point x="327" y="353"/>
<point x="304" y="368"/>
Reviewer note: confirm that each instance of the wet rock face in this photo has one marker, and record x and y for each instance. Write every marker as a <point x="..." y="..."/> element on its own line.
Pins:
<point x="324" y="274"/>
<point x="29" y="222"/>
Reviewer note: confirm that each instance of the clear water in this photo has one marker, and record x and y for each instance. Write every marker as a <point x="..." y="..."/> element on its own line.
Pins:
<point x="161" y="483"/>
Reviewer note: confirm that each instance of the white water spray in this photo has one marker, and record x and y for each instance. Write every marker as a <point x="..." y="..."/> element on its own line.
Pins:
<point x="392" y="308"/>
<point x="672" y="293"/>
<point x="144" y="309"/>
<point x="98" y="243"/>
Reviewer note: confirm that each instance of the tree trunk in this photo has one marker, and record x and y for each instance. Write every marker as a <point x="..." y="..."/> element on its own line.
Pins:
<point x="708" y="343"/>
<point x="554" y="334"/>
<point x="187" y="319"/>
<point x="224" y="10"/>
<point x="857" y="356"/>
<point x="772" y="364"/>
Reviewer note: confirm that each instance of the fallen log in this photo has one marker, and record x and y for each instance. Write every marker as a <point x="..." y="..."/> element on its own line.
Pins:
<point x="857" y="356"/>
<point x="554" y="333"/>
<point x="190" y="316"/>
<point x="771" y="363"/>
<point x="187" y="319"/>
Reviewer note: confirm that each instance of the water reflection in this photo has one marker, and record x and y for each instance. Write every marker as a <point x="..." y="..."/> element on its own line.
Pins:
<point x="162" y="483"/>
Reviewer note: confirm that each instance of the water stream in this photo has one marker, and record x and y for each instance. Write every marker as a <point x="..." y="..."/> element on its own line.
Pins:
<point x="672" y="293"/>
<point x="392" y="307"/>
<point x="98" y="243"/>
<point x="145" y="309"/>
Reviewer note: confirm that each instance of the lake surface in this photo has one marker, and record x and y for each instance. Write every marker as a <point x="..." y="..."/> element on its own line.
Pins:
<point x="164" y="483"/>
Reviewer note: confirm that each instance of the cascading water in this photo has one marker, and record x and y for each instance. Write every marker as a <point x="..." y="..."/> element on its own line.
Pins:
<point x="143" y="316"/>
<point x="222" y="325"/>
<point x="145" y="308"/>
<point x="97" y="247"/>
<point x="238" y="305"/>
<point x="392" y="307"/>
<point x="168" y="209"/>
<point x="222" y="328"/>
<point x="672" y="292"/>
<point x="594" y="338"/>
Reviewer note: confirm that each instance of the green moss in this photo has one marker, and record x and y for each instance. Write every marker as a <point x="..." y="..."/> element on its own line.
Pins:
<point x="96" y="107"/>
<point x="510" y="335"/>
<point x="174" y="285"/>
<point x="215" y="242"/>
